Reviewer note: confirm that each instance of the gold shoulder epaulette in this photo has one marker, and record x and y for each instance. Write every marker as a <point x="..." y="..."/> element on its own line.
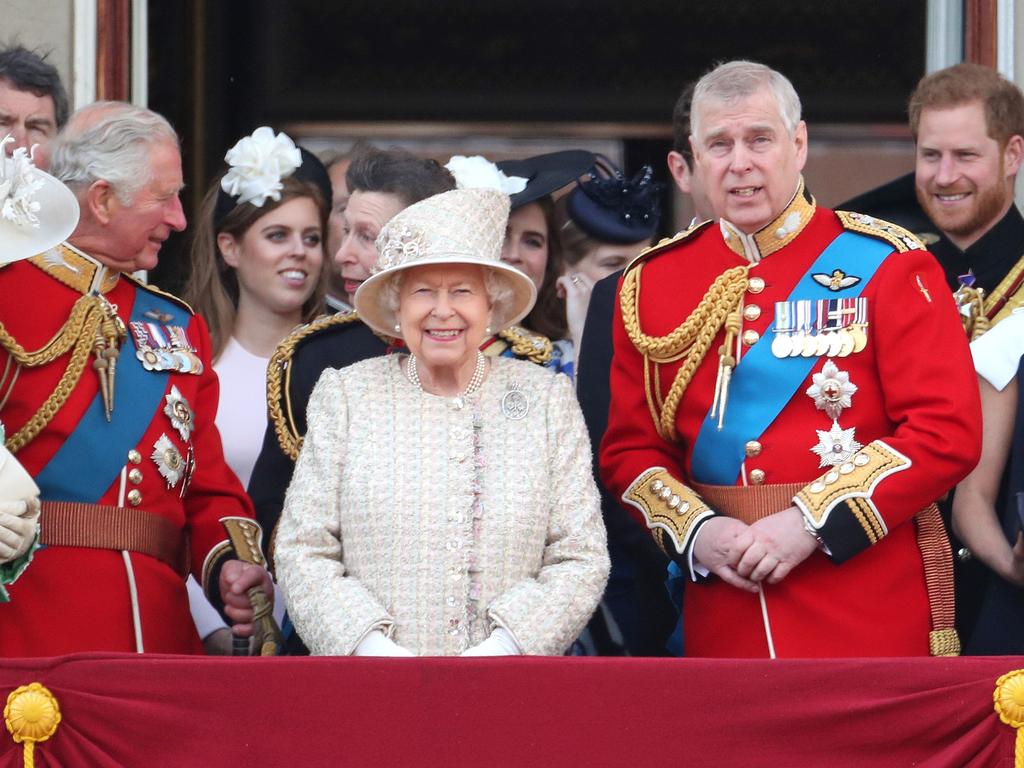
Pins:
<point x="153" y="289"/>
<point x="527" y="344"/>
<point x="279" y="380"/>
<point x="900" y="239"/>
<point x="667" y="242"/>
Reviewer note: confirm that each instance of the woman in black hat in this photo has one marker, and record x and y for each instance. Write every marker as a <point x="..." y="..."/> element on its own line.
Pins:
<point x="257" y="272"/>
<point x="607" y="221"/>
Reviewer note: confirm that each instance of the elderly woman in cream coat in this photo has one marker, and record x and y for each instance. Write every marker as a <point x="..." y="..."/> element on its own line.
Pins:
<point x="443" y="503"/>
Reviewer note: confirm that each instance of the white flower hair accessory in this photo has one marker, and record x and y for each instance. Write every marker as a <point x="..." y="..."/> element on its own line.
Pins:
<point x="478" y="172"/>
<point x="258" y="163"/>
<point x="19" y="183"/>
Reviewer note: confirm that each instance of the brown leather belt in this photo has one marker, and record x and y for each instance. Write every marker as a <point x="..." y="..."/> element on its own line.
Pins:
<point x="748" y="502"/>
<point x="100" y="526"/>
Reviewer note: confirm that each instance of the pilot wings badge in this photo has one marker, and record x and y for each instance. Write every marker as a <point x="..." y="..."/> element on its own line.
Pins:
<point x="837" y="281"/>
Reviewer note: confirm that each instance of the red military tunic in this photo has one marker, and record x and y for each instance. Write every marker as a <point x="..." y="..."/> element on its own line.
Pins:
<point x="76" y="598"/>
<point x="915" y="412"/>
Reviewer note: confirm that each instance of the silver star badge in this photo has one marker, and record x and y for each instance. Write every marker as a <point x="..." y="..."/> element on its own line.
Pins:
<point x="168" y="460"/>
<point x="832" y="390"/>
<point x="837" y="446"/>
<point x="179" y="412"/>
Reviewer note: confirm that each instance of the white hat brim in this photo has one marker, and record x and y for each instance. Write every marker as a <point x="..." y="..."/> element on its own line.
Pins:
<point x="58" y="217"/>
<point x="371" y="309"/>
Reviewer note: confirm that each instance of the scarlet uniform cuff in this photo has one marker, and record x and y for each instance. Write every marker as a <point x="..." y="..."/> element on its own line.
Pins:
<point x="838" y="505"/>
<point x="672" y="510"/>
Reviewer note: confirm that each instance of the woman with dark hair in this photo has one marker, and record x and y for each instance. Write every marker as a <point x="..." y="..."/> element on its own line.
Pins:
<point x="257" y="272"/>
<point x="532" y="245"/>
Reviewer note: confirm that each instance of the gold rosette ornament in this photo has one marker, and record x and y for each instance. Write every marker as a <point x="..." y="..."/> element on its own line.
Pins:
<point x="31" y="715"/>
<point x="1009" y="703"/>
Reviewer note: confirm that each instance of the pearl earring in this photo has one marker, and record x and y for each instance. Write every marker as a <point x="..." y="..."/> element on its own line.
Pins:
<point x="487" y="330"/>
<point x="398" y="328"/>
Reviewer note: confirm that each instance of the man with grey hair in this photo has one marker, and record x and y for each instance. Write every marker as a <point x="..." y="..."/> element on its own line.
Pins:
<point x="33" y="102"/>
<point x="780" y="406"/>
<point x="108" y="397"/>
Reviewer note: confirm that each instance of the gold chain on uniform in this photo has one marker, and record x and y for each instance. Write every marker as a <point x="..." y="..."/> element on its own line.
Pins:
<point x="80" y="333"/>
<point x="691" y="339"/>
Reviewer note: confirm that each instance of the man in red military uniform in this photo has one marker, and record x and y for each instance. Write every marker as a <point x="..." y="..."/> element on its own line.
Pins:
<point x="108" y="399"/>
<point x="790" y="393"/>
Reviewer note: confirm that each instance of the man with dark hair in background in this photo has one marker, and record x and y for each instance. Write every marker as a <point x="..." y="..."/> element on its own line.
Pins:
<point x="33" y="102"/>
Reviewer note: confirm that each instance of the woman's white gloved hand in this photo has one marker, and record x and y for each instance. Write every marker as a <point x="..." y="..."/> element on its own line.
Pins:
<point x="18" y="521"/>
<point x="376" y="643"/>
<point x="500" y="643"/>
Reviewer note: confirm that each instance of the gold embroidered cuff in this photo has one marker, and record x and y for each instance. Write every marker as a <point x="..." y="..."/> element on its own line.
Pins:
<point x="838" y="504"/>
<point x="668" y="506"/>
<point x="216" y="556"/>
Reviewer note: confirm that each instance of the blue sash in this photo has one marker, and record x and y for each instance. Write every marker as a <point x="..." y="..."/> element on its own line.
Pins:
<point x="94" y="454"/>
<point x="762" y="384"/>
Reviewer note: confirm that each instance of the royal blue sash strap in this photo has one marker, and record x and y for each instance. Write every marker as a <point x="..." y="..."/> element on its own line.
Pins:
<point x="762" y="384"/>
<point x="94" y="454"/>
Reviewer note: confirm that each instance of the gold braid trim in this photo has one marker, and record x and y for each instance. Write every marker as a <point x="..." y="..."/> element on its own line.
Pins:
<point x="527" y="345"/>
<point x="279" y="381"/>
<point x="690" y="340"/>
<point x="79" y="332"/>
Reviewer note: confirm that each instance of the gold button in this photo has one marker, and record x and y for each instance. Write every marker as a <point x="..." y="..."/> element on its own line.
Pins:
<point x="134" y="497"/>
<point x="756" y="476"/>
<point x="753" y="448"/>
<point x="751" y="312"/>
<point x="135" y="475"/>
<point x="750" y="337"/>
<point x="134" y="456"/>
<point x="755" y="284"/>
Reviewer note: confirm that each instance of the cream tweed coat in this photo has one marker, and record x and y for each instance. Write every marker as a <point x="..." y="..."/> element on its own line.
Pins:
<point x="436" y="523"/>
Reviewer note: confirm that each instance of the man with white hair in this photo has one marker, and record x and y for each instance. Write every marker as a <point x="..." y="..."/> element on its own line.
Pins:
<point x="108" y="398"/>
<point x="782" y="417"/>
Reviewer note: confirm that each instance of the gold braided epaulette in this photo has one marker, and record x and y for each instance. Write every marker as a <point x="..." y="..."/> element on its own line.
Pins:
<point x="527" y="344"/>
<point x="153" y="289"/>
<point x="279" y="380"/>
<point x="667" y="242"/>
<point x="900" y="239"/>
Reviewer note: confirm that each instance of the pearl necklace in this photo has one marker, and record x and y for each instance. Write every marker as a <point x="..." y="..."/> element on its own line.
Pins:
<point x="474" y="383"/>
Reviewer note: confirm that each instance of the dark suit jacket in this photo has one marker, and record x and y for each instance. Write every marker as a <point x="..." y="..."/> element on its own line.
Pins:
<point x="636" y="592"/>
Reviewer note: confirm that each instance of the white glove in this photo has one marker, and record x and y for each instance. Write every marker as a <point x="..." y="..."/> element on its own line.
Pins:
<point x="500" y="643"/>
<point x="18" y="522"/>
<point x="376" y="643"/>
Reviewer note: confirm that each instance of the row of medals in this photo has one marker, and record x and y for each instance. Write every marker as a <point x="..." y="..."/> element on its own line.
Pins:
<point x="833" y="343"/>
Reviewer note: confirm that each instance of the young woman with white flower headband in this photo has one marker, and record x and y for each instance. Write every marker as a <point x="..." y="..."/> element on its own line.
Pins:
<point x="257" y="272"/>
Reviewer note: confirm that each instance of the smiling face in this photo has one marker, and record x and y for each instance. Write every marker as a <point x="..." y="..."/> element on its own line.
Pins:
<point x="963" y="180"/>
<point x="278" y="259"/>
<point x="526" y="242"/>
<point x="134" y="233"/>
<point x="443" y="311"/>
<point x="748" y="162"/>
<point x="362" y="220"/>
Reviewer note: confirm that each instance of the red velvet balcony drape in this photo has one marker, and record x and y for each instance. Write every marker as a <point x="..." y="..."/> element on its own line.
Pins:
<point x="175" y="711"/>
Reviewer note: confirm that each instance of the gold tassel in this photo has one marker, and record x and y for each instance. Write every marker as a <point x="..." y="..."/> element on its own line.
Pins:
<point x="726" y="362"/>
